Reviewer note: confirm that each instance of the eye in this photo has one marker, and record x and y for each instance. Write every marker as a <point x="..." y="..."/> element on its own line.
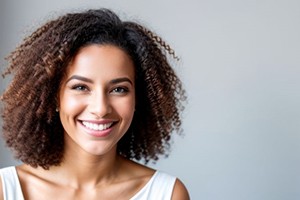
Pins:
<point x="80" y="87"/>
<point x="120" y="90"/>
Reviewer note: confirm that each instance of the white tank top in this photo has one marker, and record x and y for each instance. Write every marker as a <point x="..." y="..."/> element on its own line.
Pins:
<point x="159" y="187"/>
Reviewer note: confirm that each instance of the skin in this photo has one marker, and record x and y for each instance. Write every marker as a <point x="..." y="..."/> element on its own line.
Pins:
<point x="1" y="190"/>
<point x="98" y="88"/>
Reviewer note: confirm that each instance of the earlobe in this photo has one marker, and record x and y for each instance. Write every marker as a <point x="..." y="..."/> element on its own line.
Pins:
<point x="57" y="103"/>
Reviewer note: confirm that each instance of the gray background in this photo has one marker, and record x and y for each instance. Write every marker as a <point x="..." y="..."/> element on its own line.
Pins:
<point x="240" y="65"/>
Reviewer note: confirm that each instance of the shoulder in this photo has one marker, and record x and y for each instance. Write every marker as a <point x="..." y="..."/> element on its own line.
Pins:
<point x="166" y="186"/>
<point x="134" y="168"/>
<point x="1" y="190"/>
<point x="180" y="192"/>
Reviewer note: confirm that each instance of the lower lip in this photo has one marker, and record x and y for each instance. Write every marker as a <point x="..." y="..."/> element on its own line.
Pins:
<point x="98" y="134"/>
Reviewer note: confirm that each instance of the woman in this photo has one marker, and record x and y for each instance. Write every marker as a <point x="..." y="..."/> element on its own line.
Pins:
<point x="90" y="94"/>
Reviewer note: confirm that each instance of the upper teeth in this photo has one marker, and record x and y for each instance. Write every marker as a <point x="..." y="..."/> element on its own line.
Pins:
<point x="97" y="127"/>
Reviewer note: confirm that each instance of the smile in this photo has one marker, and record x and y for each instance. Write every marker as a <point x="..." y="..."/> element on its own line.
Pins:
<point x="97" y="127"/>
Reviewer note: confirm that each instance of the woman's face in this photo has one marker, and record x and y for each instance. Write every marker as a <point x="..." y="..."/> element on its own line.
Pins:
<point x="97" y="99"/>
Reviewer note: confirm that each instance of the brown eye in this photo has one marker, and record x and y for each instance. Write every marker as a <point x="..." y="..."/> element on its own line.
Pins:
<point x="80" y="87"/>
<point x="120" y="90"/>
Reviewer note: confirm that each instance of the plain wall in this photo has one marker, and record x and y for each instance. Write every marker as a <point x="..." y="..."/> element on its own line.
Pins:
<point x="240" y="64"/>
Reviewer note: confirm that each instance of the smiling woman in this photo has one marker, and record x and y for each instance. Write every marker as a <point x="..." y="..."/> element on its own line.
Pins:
<point x="90" y="94"/>
<point x="97" y="98"/>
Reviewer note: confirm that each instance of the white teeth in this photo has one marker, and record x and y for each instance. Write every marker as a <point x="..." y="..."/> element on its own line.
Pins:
<point x="97" y="127"/>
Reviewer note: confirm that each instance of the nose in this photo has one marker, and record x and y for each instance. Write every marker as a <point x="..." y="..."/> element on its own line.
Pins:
<point x="99" y="104"/>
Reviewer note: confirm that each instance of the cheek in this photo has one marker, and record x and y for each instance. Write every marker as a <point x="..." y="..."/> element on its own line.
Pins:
<point x="126" y="109"/>
<point x="70" y="105"/>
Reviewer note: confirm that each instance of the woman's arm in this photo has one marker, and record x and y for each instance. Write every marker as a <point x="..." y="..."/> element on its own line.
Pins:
<point x="180" y="192"/>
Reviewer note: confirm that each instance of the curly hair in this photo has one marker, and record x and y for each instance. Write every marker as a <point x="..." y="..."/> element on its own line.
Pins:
<point x="31" y="126"/>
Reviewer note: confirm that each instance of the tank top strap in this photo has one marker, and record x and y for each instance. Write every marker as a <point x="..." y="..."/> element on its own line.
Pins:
<point x="10" y="184"/>
<point x="160" y="186"/>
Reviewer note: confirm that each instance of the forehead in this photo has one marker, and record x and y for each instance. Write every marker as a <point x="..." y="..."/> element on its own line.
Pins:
<point x="100" y="59"/>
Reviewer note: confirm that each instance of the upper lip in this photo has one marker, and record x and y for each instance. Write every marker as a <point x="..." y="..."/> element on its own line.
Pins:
<point x="106" y="121"/>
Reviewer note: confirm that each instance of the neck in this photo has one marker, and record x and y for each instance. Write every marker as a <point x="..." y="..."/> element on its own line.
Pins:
<point x="80" y="168"/>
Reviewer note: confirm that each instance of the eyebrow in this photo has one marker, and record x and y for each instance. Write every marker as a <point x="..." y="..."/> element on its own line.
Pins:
<point x="119" y="80"/>
<point x="81" y="78"/>
<point x="114" y="81"/>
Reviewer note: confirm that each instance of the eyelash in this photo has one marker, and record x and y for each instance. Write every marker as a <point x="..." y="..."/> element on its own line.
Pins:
<point x="81" y="87"/>
<point x="124" y="90"/>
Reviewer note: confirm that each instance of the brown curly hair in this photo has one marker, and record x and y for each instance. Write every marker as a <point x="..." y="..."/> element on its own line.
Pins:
<point x="31" y="126"/>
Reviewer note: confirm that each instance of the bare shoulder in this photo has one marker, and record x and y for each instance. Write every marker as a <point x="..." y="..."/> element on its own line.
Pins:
<point x="136" y="169"/>
<point x="180" y="192"/>
<point x="1" y="190"/>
